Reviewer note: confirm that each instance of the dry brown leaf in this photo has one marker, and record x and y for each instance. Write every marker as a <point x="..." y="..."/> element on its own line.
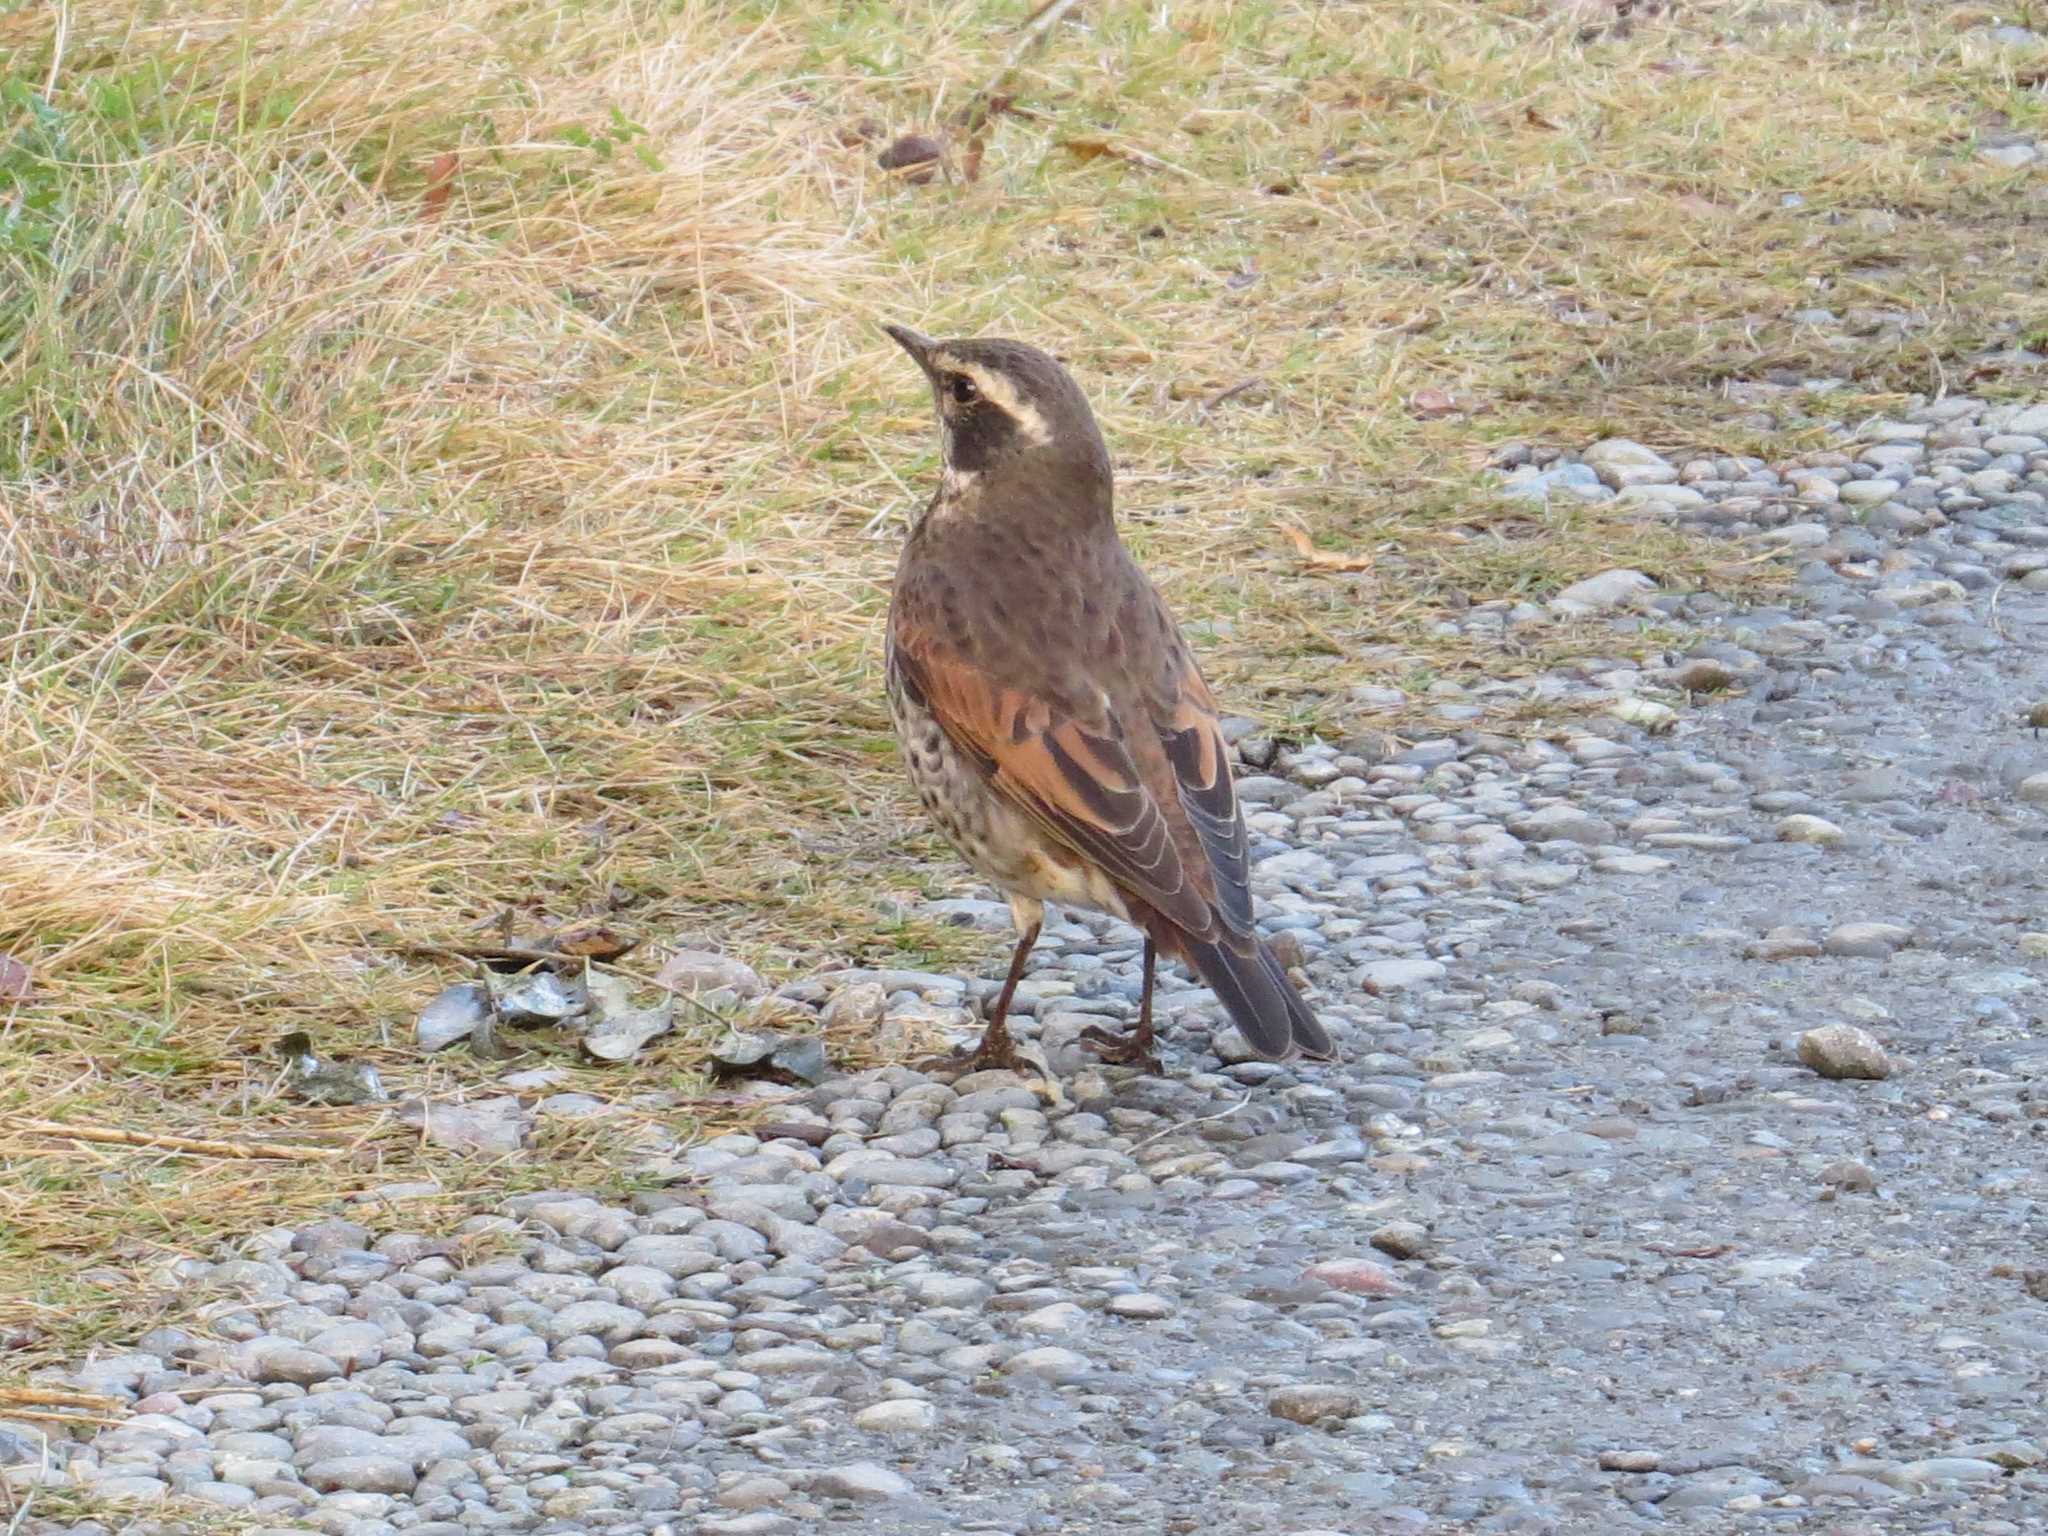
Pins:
<point x="1432" y="402"/>
<point x="592" y="941"/>
<point x="1324" y="559"/>
<point x="440" y="185"/>
<point x="16" y="985"/>
<point x="1096" y="149"/>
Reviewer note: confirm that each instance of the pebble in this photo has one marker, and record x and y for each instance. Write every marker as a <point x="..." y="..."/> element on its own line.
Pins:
<point x="1140" y="1306"/>
<point x="1384" y="976"/>
<point x="899" y="1416"/>
<point x="1312" y="1404"/>
<point x="1866" y="940"/>
<point x="1051" y="1362"/>
<point x="862" y="1481"/>
<point x="1358" y="1276"/>
<point x="1809" y="829"/>
<point x="1599" y="594"/>
<point x="1402" y="1239"/>
<point x="1844" y="1051"/>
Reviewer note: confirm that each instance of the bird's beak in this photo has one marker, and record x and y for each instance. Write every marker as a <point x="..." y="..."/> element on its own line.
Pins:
<point x="919" y="347"/>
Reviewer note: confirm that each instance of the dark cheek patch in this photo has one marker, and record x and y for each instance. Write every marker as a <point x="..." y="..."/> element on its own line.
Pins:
<point x="978" y="435"/>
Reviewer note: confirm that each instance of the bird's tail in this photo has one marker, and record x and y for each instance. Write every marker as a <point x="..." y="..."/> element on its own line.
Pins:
<point x="1261" y="1001"/>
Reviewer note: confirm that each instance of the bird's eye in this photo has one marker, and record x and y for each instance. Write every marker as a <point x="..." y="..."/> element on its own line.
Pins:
<point x="963" y="390"/>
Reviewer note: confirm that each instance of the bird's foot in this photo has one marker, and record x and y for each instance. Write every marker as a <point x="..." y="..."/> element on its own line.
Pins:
<point x="998" y="1054"/>
<point x="1131" y="1049"/>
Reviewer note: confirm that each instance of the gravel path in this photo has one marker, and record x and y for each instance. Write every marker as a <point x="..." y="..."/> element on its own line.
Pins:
<point x="1586" y="1231"/>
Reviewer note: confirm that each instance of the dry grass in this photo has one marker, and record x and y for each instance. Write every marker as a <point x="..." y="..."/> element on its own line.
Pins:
<point x="451" y="468"/>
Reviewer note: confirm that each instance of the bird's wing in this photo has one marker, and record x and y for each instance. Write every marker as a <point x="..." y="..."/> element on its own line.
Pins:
<point x="1070" y="766"/>
<point x="1192" y="735"/>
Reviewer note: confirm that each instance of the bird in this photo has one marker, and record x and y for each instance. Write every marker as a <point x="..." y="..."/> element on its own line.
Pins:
<point x="1050" y="712"/>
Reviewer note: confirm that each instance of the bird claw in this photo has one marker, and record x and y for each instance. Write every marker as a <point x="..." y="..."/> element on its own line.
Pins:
<point x="977" y="1058"/>
<point x="1132" y="1049"/>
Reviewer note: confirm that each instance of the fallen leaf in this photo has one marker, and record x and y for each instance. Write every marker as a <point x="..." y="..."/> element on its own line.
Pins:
<point x="540" y="997"/>
<point x="490" y="1125"/>
<point x="592" y="941"/>
<point x="623" y="1035"/>
<point x="778" y="1057"/>
<point x="16" y="985"/>
<point x="1536" y="119"/>
<point x="1085" y="150"/>
<point x="455" y="1014"/>
<point x="1324" y="559"/>
<point x="974" y="121"/>
<point x="1431" y="402"/>
<point x="440" y="184"/>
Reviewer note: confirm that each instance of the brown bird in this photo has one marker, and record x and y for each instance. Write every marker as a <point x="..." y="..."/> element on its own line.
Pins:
<point x="1051" y="714"/>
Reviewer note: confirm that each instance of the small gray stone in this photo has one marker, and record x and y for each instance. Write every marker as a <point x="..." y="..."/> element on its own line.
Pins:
<point x="1844" y="1051"/>
<point x="1051" y="1362"/>
<point x="1938" y="1470"/>
<point x="691" y="971"/>
<point x="1306" y="1404"/>
<point x="1380" y="977"/>
<point x="863" y="1481"/>
<point x="1140" y="1305"/>
<point x="283" y="1360"/>
<point x="1622" y="462"/>
<point x="1810" y="829"/>
<point x="1598" y="594"/>
<point x="362" y="1474"/>
<point x="1402" y="1239"/>
<point x="1629" y="1461"/>
<point x="897" y="1416"/>
<point x="1874" y="941"/>
<point x="762" y="1522"/>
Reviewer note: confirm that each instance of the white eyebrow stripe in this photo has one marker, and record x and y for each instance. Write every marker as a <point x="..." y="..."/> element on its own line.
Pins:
<point x="1001" y="392"/>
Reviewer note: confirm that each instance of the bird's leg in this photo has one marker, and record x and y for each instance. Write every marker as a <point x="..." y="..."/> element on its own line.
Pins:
<point x="1135" y="1048"/>
<point x="996" y="1048"/>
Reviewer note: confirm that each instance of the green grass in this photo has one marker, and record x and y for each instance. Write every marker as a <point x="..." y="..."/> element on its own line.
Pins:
<point x="450" y="465"/>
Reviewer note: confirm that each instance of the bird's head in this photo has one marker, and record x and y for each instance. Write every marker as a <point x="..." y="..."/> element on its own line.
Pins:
<point x="1009" y="412"/>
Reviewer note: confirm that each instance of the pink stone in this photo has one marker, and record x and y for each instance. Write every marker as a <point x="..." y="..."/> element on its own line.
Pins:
<point x="1361" y="1277"/>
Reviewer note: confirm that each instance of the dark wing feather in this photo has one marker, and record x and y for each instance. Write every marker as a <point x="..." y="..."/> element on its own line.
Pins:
<point x="1193" y="739"/>
<point x="1073" y="774"/>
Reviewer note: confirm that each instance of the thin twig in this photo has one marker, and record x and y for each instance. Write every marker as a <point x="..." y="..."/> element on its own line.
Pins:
<point x="50" y="1397"/>
<point x="983" y="105"/>
<point x="1199" y="1120"/>
<point x="1029" y="36"/>
<point x="479" y="952"/>
<point x="524" y="954"/>
<point x="195" y="1144"/>
<point x="1232" y="392"/>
